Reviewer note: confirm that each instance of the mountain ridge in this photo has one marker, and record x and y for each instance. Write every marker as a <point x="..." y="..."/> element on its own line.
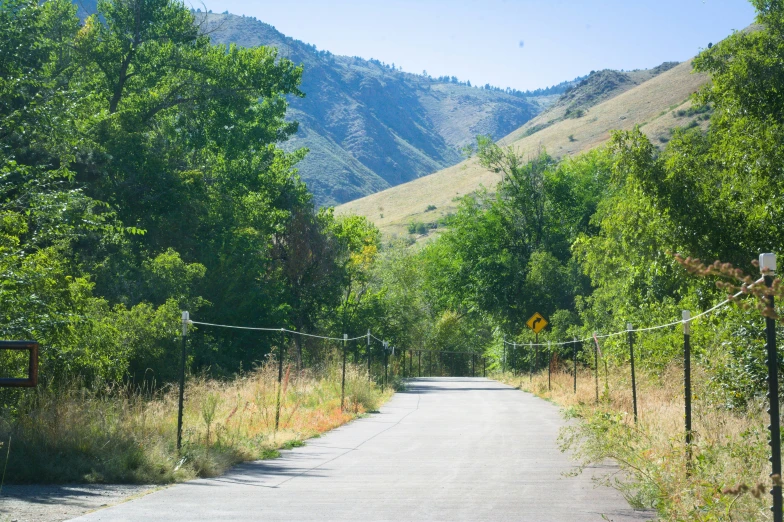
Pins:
<point x="368" y="126"/>
<point x="658" y="104"/>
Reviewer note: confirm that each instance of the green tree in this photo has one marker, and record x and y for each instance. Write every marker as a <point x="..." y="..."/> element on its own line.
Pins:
<point x="138" y="163"/>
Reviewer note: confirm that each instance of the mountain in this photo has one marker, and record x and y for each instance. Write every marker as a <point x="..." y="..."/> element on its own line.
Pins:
<point x="657" y="99"/>
<point x="597" y="87"/>
<point x="370" y="126"/>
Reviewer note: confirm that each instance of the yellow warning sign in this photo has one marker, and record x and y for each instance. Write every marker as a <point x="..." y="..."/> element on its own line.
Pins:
<point x="537" y="322"/>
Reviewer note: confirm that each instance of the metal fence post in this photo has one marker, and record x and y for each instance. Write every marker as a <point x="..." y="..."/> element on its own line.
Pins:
<point x="368" y="355"/>
<point x="280" y="378"/>
<point x="536" y="365"/>
<point x="631" y="356"/>
<point x="574" y="356"/>
<point x="343" y="381"/>
<point x="767" y="264"/>
<point x="386" y="373"/>
<point x="514" y="357"/>
<point x="503" y="361"/>
<point x="596" y="363"/>
<point x="530" y="364"/>
<point x="185" y="320"/>
<point x="550" y="366"/>
<point x="687" y="384"/>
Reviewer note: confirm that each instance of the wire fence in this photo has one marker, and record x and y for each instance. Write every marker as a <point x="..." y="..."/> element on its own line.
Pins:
<point x="742" y="292"/>
<point x="531" y="354"/>
<point x="385" y="361"/>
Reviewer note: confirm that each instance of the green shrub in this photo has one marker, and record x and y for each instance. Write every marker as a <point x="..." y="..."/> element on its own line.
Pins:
<point x="417" y="228"/>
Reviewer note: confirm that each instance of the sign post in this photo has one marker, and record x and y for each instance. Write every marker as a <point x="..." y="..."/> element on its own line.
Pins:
<point x="536" y="323"/>
<point x="530" y="364"/>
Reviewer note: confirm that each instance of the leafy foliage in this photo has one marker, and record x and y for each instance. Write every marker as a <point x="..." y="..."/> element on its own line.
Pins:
<point x="140" y="174"/>
<point x="590" y="242"/>
<point x="393" y="126"/>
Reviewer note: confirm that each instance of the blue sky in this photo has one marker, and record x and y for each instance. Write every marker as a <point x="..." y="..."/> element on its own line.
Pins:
<point x="522" y="44"/>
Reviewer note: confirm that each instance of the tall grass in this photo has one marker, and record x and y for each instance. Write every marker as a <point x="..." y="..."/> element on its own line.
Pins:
<point x="126" y="434"/>
<point x="729" y="449"/>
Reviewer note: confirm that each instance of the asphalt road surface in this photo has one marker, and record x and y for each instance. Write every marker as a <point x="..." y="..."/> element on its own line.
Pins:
<point x="445" y="449"/>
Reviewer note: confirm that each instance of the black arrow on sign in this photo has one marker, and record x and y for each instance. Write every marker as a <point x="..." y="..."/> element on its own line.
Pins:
<point x="537" y="320"/>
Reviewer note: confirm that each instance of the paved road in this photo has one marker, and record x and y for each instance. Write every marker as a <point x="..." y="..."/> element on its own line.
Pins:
<point x="446" y="449"/>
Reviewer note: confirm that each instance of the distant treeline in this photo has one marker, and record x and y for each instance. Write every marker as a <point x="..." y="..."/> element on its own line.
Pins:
<point x="546" y="91"/>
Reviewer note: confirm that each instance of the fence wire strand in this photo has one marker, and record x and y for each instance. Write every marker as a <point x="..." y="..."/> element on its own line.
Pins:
<point x="743" y="291"/>
<point x="281" y="330"/>
<point x="647" y="329"/>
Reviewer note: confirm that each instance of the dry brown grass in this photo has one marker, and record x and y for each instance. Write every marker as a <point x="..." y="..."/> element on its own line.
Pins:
<point x="729" y="446"/>
<point x="124" y="435"/>
<point x="649" y="104"/>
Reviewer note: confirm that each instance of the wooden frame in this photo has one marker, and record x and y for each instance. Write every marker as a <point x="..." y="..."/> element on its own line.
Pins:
<point x="32" y="372"/>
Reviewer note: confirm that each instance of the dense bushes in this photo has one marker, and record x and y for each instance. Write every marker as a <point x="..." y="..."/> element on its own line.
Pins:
<point x="138" y="180"/>
<point x="590" y="242"/>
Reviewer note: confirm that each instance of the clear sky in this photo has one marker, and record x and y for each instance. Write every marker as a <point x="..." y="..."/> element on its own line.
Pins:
<point x="522" y="44"/>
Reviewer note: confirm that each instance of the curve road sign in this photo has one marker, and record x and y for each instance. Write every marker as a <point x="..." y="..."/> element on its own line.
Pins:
<point x="537" y="322"/>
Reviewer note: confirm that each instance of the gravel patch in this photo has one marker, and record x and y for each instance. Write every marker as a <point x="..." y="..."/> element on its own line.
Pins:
<point x="62" y="502"/>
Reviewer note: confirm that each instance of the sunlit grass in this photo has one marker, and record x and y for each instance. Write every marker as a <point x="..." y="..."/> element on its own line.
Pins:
<point x="648" y="104"/>
<point x="126" y="435"/>
<point x="730" y="447"/>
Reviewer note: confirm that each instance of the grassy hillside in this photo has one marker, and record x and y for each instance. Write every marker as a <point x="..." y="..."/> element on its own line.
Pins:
<point x="369" y="126"/>
<point x="655" y="99"/>
<point x="599" y="86"/>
